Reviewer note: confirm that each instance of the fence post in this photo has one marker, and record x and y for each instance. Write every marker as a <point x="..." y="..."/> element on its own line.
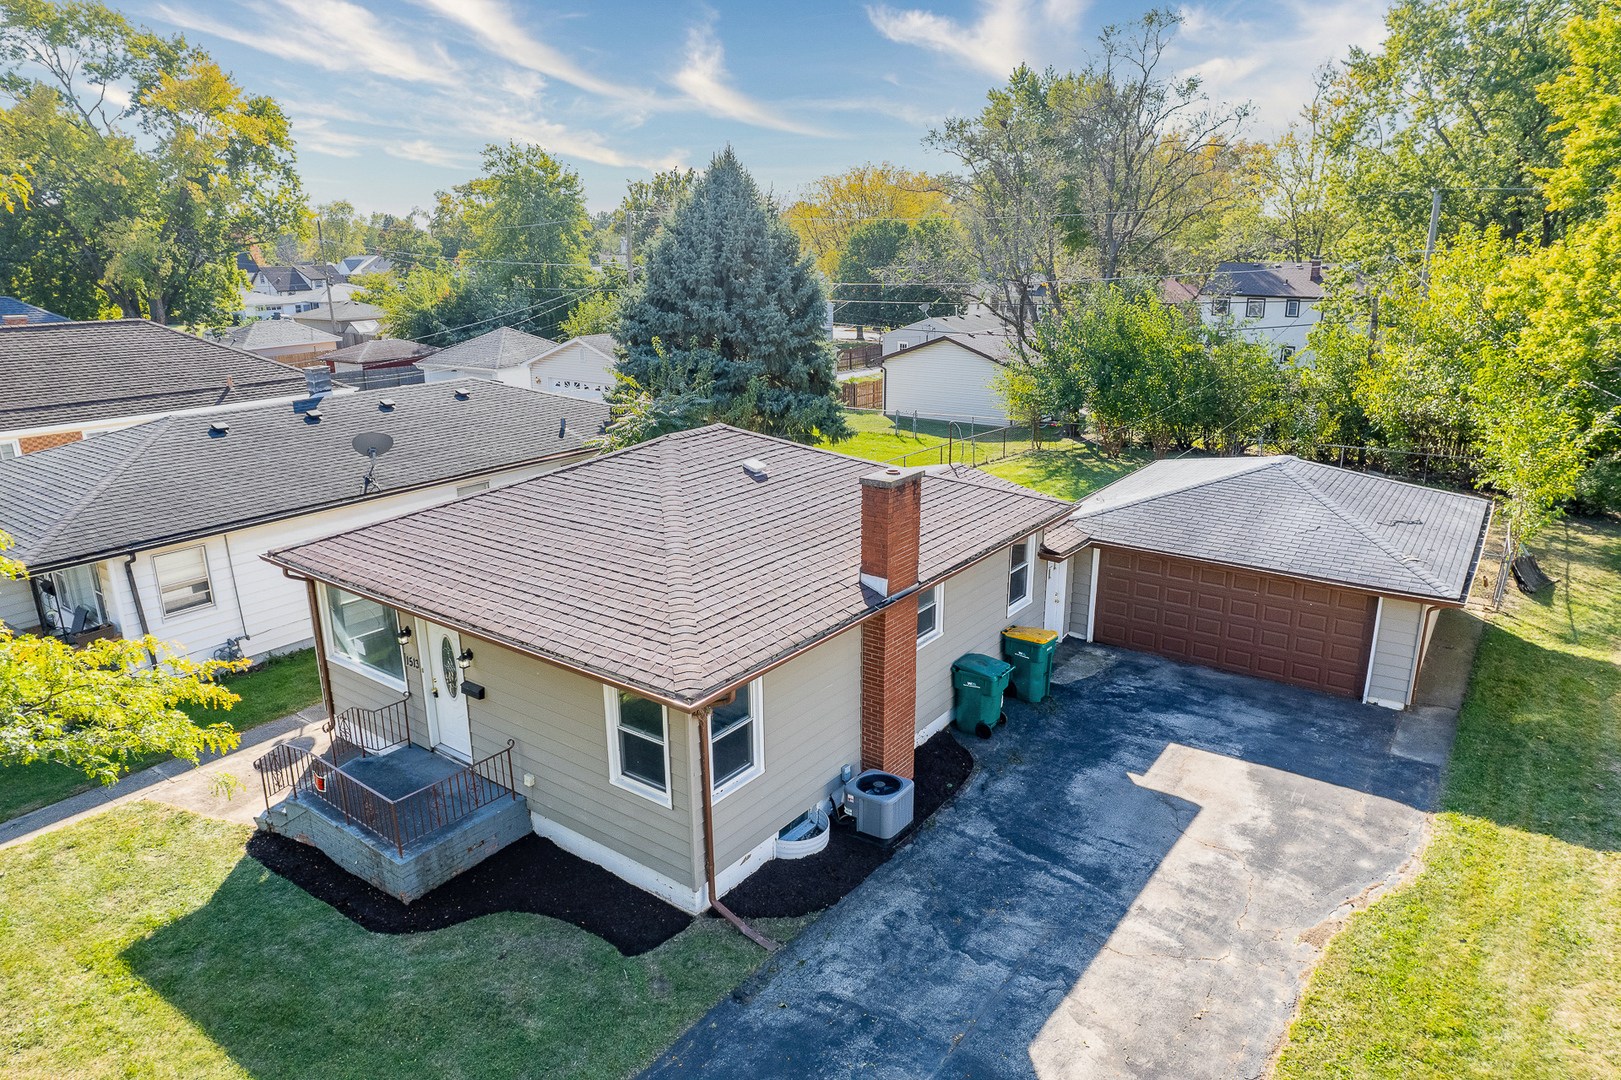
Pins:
<point x="914" y="423"/>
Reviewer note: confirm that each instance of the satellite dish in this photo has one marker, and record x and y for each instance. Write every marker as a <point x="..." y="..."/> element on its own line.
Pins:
<point x="370" y="443"/>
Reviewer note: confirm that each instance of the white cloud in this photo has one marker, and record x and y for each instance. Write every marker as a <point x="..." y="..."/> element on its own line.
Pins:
<point x="1006" y="34"/>
<point x="706" y="83"/>
<point x="492" y="23"/>
<point x="426" y="152"/>
<point x="1268" y="56"/>
<point x="332" y="35"/>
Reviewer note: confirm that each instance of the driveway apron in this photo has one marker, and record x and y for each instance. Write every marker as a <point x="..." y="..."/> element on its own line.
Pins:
<point x="1135" y="883"/>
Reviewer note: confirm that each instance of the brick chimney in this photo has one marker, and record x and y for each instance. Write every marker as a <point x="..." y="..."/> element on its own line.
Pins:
<point x="1317" y="270"/>
<point x="16" y="320"/>
<point x="891" y="505"/>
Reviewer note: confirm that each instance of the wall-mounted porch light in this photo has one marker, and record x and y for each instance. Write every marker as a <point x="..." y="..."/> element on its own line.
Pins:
<point x="465" y="660"/>
<point x="404" y="635"/>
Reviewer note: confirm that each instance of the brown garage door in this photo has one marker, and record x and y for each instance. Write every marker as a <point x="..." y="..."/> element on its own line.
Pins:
<point x="1278" y="628"/>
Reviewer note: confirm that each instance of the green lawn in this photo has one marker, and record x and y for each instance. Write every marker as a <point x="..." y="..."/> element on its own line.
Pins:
<point x="1072" y="471"/>
<point x="285" y="685"/>
<point x="877" y="439"/>
<point x="145" y="943"/>
<point x="1503" y="958"/>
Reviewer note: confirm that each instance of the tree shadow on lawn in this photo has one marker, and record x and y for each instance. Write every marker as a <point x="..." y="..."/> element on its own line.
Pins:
<point x="291" y="989"/>
<point x="1539" y="741"/>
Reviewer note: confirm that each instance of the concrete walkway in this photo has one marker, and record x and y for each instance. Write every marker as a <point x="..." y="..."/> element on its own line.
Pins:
<point x="1136" y="883"/>
<point x="182" y="784"/>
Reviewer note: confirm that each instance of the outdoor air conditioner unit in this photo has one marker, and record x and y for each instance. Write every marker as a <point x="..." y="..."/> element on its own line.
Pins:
<point x="883" y="803"/>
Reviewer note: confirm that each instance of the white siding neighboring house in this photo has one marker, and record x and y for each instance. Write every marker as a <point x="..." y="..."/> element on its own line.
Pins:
<point x="161" y="526"/>
<point x="1273" y="303"/>
<point x="582" y="367"/>
<point x="945" y="378"/>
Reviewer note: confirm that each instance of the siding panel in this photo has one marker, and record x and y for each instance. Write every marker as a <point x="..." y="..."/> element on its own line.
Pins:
<point x="943" y="381"/>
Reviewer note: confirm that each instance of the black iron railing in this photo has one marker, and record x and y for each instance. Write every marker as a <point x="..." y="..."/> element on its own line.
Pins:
<point x="395" y="821"/>
<point x="361" y="732"/>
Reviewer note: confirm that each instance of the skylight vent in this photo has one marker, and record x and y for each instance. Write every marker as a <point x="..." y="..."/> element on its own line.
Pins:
<point x="755" y="468"/>
<point x="385" y="404"/>
<point x="313" y="416"/>
<point x="218" y="428"/>
<point x="463" y="395"/>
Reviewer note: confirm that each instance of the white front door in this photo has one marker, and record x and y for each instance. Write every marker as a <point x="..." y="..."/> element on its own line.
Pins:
<point x="447" y="705"/>
<point x="1057" y="594"/>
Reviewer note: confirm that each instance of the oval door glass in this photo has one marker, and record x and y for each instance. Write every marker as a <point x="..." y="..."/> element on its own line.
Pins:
<point x="447" y="663"/>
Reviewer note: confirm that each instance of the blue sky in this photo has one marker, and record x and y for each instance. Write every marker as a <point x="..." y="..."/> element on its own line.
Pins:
<point x="393" y="101"/>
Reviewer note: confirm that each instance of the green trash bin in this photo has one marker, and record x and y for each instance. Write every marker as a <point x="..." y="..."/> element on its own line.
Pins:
<point x="978" y="681"/>
<point x="1030" y="651"/>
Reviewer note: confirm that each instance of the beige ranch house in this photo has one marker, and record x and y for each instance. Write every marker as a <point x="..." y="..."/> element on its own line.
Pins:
<point x="669" y="652"/>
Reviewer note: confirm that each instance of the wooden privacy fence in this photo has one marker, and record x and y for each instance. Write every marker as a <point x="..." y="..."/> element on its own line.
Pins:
<point x="867" y="394"/>
<point x="861" y="356"/>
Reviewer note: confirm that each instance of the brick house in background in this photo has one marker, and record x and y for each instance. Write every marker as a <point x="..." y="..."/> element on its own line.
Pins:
<point x="63" y="381"/>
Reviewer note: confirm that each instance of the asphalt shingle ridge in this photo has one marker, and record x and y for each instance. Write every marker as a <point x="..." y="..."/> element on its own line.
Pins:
<point x="94" y="491"/>
<point x="1411" y="565"/>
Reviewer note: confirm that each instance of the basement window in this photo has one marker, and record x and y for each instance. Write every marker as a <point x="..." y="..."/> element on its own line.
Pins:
<point x="638" y="747"/>
<point x="183" y="580"/>
<point x="1018" y="578"/>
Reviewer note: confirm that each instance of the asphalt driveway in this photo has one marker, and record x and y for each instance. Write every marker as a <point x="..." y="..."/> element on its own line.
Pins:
<point x="1135" y="883"/>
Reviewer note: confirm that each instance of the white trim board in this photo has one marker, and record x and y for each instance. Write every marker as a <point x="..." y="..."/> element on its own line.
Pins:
<point x="932" y="728"/>
<point x="620" y="865"/>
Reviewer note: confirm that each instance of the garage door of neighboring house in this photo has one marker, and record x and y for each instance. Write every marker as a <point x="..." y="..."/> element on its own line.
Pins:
<point x="1278" y="628"/>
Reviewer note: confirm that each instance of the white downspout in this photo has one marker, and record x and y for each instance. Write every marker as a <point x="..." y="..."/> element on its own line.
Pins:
<point x="1092" y="595"/>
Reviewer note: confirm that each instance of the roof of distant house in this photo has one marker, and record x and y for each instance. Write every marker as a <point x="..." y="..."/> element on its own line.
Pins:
<point x="81" y="372"/>
<point x="178" y="477"/>
<point x="275" y="333"/>
<point x="380" y="351"/>
<point x="667" y="566"/>
<point x="502" y="347"/>
<point x="319" y="273"/>
<point x="1273" y="280"/>
<point x="603" y="343"/>
<point x="341" y="311"/>
<point x="1299" y="518"/>
<point x="284" y="279"/>
<point x="986" y="335"/>
<point x="12" y="306"/>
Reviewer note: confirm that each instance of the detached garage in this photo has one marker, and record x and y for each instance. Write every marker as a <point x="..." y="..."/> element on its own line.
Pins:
<point x="949" y="378"/>
<point x="1273" y="567"/>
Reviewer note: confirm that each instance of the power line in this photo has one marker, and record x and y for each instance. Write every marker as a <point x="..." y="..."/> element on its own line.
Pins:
<point x="516" y="311"/>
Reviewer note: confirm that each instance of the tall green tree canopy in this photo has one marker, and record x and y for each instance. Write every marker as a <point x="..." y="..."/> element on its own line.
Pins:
<point x="516" y="254"/>
<point x="728" y="323"/>
<point x="141" y="208"/>
<point x="872" y="289"/>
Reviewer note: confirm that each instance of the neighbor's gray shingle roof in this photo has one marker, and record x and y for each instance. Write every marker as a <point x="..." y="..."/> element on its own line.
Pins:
<point x="170" y="479"/>
<point x="276" y="333"/>
<point x="502" y="347"/>
<point x="1287" y="280"/>
<point x="380" y="351"/>
<point x="81" y="372"/>
<point x="665" y="566"/>
<point x="1299" y="518"/>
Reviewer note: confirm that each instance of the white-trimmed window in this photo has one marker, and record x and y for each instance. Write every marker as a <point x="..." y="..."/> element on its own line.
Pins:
<point x="737" y="740"/>
<point x="364" y="633"/>
<point x="183" y="579"/>
<point x="1291" y="309"/>
<point x="1255" y="309"/>
<point x="1018" y="576"/>
<point x="638" y="744"/>
<point x="1285" y="352"/>
<point x="930" y="612"/>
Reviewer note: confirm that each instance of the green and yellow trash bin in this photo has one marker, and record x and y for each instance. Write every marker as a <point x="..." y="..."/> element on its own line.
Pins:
<point x="1030" y="651"/>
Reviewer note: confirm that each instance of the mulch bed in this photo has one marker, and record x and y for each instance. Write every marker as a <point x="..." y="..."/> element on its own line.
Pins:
<point x="532" y="874"/>
<point x="537" y="876"/>
<point x="787" y="888"/>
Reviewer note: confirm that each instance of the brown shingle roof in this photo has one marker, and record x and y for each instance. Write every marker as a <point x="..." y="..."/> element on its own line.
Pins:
<point x="665" y="566"/>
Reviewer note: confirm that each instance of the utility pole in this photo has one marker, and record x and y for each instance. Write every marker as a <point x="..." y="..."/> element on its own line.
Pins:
<point x="326" y="272"/>
<point x="1435" y="225"/>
